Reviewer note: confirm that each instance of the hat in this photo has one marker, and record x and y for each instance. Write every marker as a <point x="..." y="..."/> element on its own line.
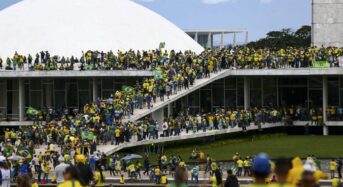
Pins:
<point x="261" y="163"/>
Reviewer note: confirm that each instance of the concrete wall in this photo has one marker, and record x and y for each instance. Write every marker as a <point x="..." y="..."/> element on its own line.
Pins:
<point x="327" y="22"/>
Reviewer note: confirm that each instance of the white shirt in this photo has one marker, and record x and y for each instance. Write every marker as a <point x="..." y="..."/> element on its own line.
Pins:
<point x="59" y="170"/>
<point x="6" y="178"/>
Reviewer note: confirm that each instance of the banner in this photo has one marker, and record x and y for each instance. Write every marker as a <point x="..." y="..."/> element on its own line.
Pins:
<point x="321" y="64"/>
<point x="25" y="153"/>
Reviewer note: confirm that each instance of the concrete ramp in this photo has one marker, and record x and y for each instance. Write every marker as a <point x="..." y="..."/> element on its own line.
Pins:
<point x="199" y="83"/>
<point x="110" y="149"/>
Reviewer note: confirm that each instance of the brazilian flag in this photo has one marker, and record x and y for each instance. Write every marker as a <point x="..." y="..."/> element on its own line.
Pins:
<point x="86" y="135"/>
<point x="127" y="89"/>
<point x="157" y="74"/>
<point x="162" y="45"/>
<point x="25" y="153"/>
<point x="32" y="111"/>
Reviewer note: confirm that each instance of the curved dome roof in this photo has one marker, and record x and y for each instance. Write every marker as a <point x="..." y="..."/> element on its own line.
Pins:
<point x="66" y="27"/>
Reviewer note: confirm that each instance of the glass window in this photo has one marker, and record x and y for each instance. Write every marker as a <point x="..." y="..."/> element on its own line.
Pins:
<point x="255" y="82"/>
<point x="255" y="97"/>
<point x="218" y="95"/>
<point x="59" y="84"/>
<point x="48" y="96"/>
<point x="27" y="95"/>
<point x="333" y="91"/>
<point x="193" y="99"/>
<point x="72" y="95"/>
<point x="59" y="99"/>
<point x="315" y="82"/>
<point x="269" y="91"/>
<point x="230" y="83"/>
<point x="206" y="100"/>
<point x="240" y="92"/>
<point x="291" y="81"/>
<point x="12" y="84"/>
<point x="36" y="99"/>
<point x="230" y="98"/>
<point x="107" y="84"/>
<point x="84" y="98"/>
<point x="84" y="84"/>
<point x="35" y="84"/>
<point x="316" y="98"/>
<point x="12" y="105"/>
<point x="3" y="96"/>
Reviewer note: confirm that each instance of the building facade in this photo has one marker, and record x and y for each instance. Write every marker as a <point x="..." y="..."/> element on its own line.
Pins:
<point x="300" y="88"/>
<point x="327" y="23"/>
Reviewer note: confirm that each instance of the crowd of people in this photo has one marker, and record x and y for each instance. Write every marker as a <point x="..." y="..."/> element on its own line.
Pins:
<point x="237" y="57"/>
<point x="92" y="170"/>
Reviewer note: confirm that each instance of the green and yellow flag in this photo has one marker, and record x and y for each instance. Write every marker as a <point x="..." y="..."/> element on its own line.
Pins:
<point x="25" y="153"/>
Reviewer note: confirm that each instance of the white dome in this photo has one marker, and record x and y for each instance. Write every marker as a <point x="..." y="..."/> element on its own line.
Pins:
<point x="67" y="27"/>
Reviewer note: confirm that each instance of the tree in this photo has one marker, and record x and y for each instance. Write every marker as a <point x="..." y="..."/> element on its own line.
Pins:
<point x="285" y="38"/>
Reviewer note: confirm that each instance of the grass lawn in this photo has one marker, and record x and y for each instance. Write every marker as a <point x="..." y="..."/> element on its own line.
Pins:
<point x="275" y="145"/>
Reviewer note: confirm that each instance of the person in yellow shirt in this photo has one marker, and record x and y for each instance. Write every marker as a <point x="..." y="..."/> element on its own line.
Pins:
<point x="158" y="175"/>
<point x="336" y="182"/>
<point x="294" y="174"/>
<point x="34" y="183"/>
<point x="70" y="178"/>
<point x="122" y="179"/>
<point x="117" y="135"/>
<point x="333" y="167"/>
<point x="246" y="166"/>
<point x="164" y="179"/>
<point x="239" y="163"/>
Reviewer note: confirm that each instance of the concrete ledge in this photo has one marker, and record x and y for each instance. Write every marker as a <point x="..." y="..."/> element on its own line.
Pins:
<point x="141" y="73"/>
<point x="75" y="74"/>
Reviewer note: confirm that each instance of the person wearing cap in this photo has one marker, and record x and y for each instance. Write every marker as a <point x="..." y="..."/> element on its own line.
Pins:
<point x="260" y="170"/>
<point x="59" y="170"/>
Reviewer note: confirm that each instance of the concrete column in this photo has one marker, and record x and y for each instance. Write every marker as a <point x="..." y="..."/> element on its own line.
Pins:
<point x="222" y="40"/>
<point x="246" y="37"/>
<point x="158" y="117"/>
<point x="95" y="90"/>
<point x="170" y="109"/>
<point x="196" y="37"/>
<point x="325" y="104"/>
<point x="21" y="99"/>
<point x="246" y="93"/>
<point x="209" y="40"/>
<point x="234" y="39"/>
